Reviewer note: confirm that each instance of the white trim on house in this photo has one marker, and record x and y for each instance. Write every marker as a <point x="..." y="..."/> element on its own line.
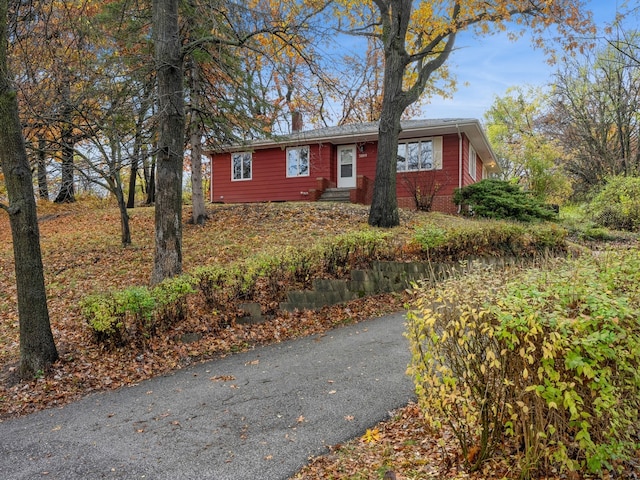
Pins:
<point x="368" y="132"/>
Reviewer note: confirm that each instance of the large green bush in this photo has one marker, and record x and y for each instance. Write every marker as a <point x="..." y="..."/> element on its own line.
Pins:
<point x="548" y="357"/>
<point x="617" y="205"/>
<point x="501" y="200"/>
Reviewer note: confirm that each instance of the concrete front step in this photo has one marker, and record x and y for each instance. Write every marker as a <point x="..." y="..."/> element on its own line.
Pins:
<point x="336" y="195"/>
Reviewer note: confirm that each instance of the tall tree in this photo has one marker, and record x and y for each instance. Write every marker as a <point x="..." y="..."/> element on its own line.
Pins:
<point x="55" y="58"/>
<point x="37" y="346"/>
<point x="517" y="129"/>
<point x="417" y="39"/>
<point x="169" y="73"/>
<point x="595" y="114"/>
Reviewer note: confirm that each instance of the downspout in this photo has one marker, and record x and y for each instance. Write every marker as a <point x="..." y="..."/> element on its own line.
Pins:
<point x="459" y="163"/>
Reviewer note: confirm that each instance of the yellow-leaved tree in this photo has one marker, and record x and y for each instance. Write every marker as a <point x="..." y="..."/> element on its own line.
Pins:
<point x="417" y="38"/>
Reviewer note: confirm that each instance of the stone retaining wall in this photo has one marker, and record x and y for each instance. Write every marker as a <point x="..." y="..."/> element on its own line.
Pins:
<point x="383" y="277"/>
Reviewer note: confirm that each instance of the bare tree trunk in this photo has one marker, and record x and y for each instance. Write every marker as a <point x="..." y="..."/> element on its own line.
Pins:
<point x="384" y="205"/>
<point x="395" y="16"/>
<point x="125" y="231"/>
<point x="168" y="214"/>
<point x="150" y="180"/>
<point x="199" y="214"/>
<point x="37" y="347"/>
<point x="115" y="183"/>
<point x="43" y="186"/>
<point x="133" y="174"/>
<point x="140" y="147"/>
<point x="67" y="191"/>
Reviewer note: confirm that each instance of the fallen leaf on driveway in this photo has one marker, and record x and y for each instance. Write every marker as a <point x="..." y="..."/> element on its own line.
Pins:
<point x="371" y="436"/>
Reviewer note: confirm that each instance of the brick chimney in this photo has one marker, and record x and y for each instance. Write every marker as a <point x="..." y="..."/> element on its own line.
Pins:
<point x="296" y="121"/>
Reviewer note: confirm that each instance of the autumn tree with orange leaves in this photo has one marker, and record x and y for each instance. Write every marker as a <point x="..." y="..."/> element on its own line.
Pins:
<point x="55" y="57"/>
<point x="417" y="39"/>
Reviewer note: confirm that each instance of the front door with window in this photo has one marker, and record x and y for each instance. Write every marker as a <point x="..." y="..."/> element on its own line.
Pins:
<point x="347" y="166"/>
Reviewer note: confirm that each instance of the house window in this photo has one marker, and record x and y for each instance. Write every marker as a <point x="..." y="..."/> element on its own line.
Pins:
<point x="415" y="155"/>
<point x="473" y="160"/>
<point x="241" y="166"/>
<point x="298" y="161"/>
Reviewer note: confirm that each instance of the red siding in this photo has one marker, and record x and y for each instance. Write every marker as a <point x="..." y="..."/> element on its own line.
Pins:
<point x="367" y="154"/>
<point x="269" y="180"/>
<point x="466" y="177"/>
<point x="270" y="183"/>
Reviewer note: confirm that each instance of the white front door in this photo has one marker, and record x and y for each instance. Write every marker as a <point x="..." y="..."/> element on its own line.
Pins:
<point x="347" y="166"/>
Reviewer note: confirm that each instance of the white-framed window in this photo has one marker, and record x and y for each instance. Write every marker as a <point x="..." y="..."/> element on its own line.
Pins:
<point x="298" y="161"/>
<point x="422" y="154"/>
<point x="241" y="166"/>
<point x="473" y="161"/>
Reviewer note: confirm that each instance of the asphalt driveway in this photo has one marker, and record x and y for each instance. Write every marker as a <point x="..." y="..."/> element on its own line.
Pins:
<point x="255" y="415"/>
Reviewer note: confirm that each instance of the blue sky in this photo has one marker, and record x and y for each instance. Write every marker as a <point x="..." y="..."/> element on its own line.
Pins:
<point x="490" y="65"/>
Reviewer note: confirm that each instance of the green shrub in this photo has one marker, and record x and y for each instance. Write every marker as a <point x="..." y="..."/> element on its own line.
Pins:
<point x="430" y="237"/>
<point x="101" y="313"/>
<point x="617" y="205"/>
<point x="133" y="315"/>
<point x="501" y="200"/>
<point x="170" y="300"/>
<point x="353" y="250"/>
<point x="548" y="357"/>
<point x="490" y="238"/>
<point x="271" y="274"/>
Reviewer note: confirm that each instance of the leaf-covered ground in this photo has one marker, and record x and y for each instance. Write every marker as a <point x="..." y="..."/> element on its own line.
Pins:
<point x="82" y="255"/>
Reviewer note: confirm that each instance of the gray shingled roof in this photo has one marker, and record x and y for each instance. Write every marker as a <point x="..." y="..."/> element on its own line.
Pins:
<point x="354" y="131"/>
<point x="365" y="132"/>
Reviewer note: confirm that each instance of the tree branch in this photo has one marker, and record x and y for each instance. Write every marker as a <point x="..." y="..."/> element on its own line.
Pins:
<point x="11" y="209"/>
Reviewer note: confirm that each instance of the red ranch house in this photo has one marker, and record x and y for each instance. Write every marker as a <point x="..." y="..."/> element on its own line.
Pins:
<point x="340" y="163"/>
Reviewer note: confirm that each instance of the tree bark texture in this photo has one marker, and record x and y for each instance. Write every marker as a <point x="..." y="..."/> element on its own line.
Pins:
<point x="67" y="189"/>
<point x="125" y="231"/>
<point x="168" y="213"/>
<point x="395" y="16"/>
<point x="131" y="199"/>
<point x="150" y="180"/>
<point x="43" y="185"/>
<point x="37" y="347"/>
<point x="199" y="214"/>
<point x="384" y="204"/>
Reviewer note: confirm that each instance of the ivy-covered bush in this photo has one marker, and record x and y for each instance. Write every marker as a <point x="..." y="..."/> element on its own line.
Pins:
<point x="498" y="199"/>
<point x="617" y="205"/>
<point x="547" y="358"/>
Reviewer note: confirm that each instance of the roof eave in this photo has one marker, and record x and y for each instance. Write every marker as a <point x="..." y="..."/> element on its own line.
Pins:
<point x="469" y="126"/>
